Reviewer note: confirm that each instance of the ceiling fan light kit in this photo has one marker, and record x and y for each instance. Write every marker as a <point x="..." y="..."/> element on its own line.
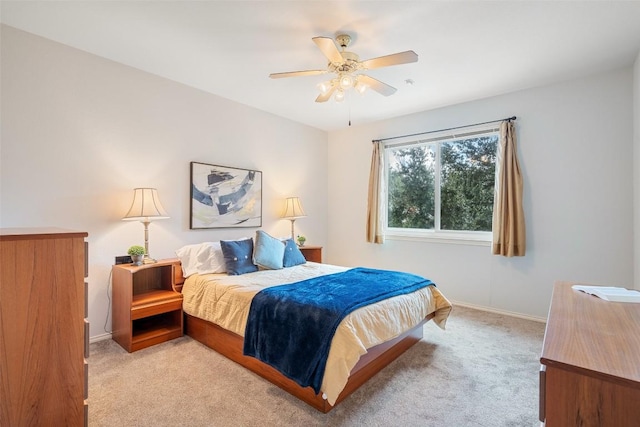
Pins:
<point x="346" y="81"/>
<point x="348" y="69"/>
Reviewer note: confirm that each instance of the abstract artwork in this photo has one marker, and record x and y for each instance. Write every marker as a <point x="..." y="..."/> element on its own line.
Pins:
<point x="225" y="197"/>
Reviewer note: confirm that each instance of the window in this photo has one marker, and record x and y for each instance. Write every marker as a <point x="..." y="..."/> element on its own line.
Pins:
<point x="442" y="186"/>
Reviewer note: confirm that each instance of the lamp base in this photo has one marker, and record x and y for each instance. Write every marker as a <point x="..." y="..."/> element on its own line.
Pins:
<point x="292" y="233"/>
<point x="148" y="260"/>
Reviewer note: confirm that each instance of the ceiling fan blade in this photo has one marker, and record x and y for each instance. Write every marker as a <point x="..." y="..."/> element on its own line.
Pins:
<point x="393" y="59"/>
<point x="329" y="49"/>
<point x="324" y="97"/>
<point x="297" y="73"/>
<point x="377" y="85"/>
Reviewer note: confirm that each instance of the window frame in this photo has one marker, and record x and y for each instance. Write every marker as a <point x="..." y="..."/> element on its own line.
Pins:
<point x="480" y="238"/>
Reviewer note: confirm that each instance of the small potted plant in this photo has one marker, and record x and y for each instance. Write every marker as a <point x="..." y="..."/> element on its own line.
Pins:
<point x="137" y="254"/>
<point x="301" y="239"/>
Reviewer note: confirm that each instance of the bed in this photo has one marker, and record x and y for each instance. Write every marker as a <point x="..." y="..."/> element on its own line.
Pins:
<point x="217" y="306"/>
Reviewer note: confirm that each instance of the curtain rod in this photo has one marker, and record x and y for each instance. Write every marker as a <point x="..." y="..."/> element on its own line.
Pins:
<point x="442" y="130"/>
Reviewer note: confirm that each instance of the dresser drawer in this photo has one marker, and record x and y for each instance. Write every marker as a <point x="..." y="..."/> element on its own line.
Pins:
<point x="86" y="380"/>
<point x="543" y="393"/>
<point x="86" y="338"/>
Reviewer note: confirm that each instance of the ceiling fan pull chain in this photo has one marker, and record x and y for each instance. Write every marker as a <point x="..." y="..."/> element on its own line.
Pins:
<point x="349" y="108"/>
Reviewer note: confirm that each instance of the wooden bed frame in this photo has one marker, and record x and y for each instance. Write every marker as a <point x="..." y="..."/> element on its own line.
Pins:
<point x="230" y="345"/>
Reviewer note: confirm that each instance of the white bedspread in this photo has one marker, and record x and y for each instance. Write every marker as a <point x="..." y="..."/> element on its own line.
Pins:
<point x="225" y="300"/>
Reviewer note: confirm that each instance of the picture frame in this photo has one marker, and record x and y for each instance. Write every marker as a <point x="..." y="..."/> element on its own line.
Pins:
<point x="224" y="197"/>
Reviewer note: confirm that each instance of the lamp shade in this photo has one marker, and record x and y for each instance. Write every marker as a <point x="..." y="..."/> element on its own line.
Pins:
<point x="293" y="209"/>
<point x="146" y="206"/>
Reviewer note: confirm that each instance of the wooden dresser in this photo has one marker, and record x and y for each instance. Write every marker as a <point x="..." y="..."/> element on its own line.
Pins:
<point x="44" y="336"/>
<point x="590" y="374"/>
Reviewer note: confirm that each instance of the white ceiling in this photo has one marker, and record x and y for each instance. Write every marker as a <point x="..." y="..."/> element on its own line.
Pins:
<point x="467" y="49"/>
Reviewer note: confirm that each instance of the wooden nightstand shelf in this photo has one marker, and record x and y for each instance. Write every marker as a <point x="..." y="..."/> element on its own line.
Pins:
<point x="147" y="304"/>
<point x="312" y="253"/>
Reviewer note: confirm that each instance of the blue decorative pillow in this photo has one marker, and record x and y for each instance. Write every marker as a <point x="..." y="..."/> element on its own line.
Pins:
<point x="238" y="256"/>
<point x="269" y="251"/>
<point x="292" y="254"/>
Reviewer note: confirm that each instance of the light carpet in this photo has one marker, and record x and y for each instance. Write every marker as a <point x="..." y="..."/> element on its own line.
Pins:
<point x="481" y="371"/>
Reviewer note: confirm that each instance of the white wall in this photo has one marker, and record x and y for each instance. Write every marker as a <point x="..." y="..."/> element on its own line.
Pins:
<point x="636" y="168"/>
<point x="575" y="145"/>
<point x="80" y="132"/>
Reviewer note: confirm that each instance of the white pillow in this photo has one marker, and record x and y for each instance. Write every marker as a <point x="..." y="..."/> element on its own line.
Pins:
<point x="188" y="256"/>
<point x="210" y="259"/>
<point x="201" y="258"/>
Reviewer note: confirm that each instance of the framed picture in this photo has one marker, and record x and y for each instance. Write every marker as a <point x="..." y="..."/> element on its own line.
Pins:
<point x="225" y="197"/>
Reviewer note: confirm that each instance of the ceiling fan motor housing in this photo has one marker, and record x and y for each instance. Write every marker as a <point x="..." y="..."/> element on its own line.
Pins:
<point x="349" y="65"/>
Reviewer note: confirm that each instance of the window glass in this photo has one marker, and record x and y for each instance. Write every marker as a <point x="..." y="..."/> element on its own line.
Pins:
<point x="411" y="178"/>
<point x="444" y="184"/>
<point x="467" y="183"/>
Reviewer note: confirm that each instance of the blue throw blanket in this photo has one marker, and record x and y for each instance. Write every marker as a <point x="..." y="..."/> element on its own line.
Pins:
<point x="290" y="327"/>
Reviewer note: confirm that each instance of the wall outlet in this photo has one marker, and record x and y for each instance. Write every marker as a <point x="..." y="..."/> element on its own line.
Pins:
<point x="123" y="259"/>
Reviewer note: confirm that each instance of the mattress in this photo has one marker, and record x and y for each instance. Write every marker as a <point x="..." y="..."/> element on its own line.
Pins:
<point x="225" y="300"/>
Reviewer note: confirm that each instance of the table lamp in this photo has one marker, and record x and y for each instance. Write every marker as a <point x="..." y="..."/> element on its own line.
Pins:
<point x="146" y="207"/>
<point x="292" y="211"/>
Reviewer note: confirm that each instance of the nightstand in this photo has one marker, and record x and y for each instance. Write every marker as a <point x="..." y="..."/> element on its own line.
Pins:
<point x="312" y="253"/>
<point x="147" y="304"/>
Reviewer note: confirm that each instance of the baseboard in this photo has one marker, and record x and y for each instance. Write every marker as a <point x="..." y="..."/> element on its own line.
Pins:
<point x="99" y="338"/>
<point x="107" y="336"/>
<point x="498" y="311"/>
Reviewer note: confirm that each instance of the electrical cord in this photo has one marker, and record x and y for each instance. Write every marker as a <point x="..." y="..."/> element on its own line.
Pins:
<point x="109" y="306"/>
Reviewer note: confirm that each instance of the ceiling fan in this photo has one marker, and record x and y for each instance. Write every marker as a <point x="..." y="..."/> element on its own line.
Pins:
<point x="348" y="69"/>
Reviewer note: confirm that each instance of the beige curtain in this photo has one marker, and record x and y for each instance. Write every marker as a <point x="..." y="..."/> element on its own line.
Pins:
<point x="374" y="205"/>
<point x="508" y="215"/>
